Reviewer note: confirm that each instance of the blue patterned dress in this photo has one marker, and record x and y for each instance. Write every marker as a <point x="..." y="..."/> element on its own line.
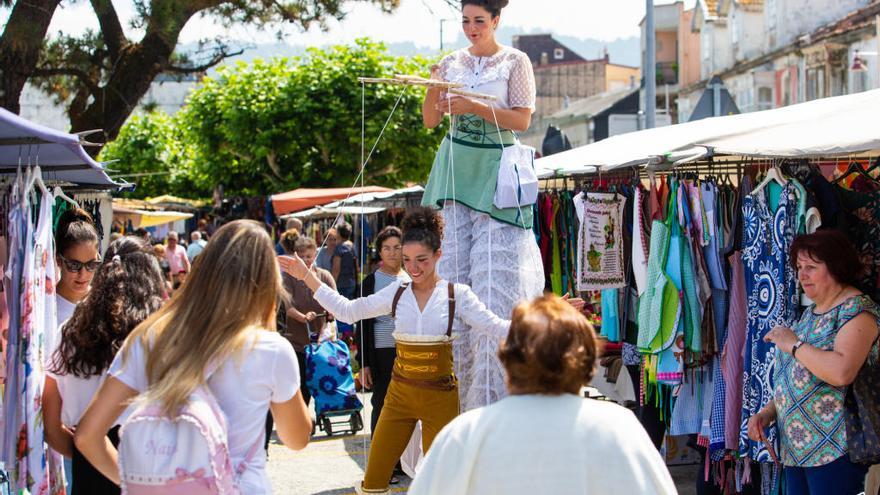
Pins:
<point x="771" y="289"/>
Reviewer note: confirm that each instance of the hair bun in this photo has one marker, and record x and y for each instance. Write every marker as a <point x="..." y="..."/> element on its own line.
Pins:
<point x="423" y="218"/>
<point x="493" y="6"/>
<point x="76" y="215"/>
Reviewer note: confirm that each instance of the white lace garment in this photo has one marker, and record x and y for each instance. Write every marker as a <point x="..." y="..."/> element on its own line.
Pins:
<point x="507" y="75"/>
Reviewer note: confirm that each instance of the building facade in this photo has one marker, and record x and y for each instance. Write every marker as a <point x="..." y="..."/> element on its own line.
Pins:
<point x="782" y="52"/>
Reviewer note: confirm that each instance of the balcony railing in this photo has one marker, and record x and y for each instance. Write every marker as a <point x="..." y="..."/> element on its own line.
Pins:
<point x="667" y="73"/>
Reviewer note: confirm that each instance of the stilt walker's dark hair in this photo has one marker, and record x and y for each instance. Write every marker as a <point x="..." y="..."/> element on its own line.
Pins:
<point x="492" y="6"/>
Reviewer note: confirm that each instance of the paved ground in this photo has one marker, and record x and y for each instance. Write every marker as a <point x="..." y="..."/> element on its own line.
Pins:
<point x="332" y="466"/>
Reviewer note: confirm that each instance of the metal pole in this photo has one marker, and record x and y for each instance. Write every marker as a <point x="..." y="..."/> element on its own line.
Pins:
<point x="650" y="66"/>
<point x="441" y="35"/>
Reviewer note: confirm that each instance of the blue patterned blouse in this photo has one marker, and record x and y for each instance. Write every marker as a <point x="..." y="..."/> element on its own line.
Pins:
<point x="810" y="413"/>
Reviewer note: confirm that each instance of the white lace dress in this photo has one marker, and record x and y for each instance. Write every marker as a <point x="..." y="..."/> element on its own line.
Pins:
<point x="500" y="261"/>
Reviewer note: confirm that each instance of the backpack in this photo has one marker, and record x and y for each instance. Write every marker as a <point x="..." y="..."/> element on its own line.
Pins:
<point x="186" y="453"/>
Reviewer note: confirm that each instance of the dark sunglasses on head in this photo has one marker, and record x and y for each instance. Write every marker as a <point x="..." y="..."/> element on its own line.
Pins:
<point x="75" y="266"/>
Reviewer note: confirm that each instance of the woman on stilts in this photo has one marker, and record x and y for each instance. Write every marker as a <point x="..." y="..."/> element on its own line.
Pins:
<point x="490" y="249"/>
<point x="423" y="385"/>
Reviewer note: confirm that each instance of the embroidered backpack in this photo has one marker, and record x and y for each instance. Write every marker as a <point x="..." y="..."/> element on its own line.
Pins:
<point x="187" y="453"/>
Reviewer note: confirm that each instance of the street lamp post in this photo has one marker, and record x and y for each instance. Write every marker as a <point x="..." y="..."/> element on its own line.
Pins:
<point x="650" y="66"/>
<point x="441" y="32"/>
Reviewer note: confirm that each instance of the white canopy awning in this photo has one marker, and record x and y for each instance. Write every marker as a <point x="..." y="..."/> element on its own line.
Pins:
<point x="826" y="127"/>
<point x="60" y="155"/>
<point x="328" y="211"/>
<point x="362" y="204"/>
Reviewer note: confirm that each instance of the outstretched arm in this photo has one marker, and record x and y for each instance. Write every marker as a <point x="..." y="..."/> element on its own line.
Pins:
<point x="377" y="304"/>
<point x="475" y="314"/>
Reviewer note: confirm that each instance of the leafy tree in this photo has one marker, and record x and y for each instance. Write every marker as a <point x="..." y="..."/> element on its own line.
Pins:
<point x="105" y="74"/>
<point x="273" y="126"/>
<point x="151" y="152"/>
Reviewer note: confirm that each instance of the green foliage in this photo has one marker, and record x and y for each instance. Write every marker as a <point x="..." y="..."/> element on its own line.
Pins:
<point x="267" y="127"/>
<point x="151" y="144"/>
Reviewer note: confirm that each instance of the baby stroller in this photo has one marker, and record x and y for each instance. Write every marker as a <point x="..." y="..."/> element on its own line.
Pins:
<point x="330" y="381"/>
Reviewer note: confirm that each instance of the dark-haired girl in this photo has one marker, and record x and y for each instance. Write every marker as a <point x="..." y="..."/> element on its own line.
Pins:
<point x="76" y="245"/>
<point x="126" y="289"/>
<point x="423" y="386"/>
<point x="493" y="250"/>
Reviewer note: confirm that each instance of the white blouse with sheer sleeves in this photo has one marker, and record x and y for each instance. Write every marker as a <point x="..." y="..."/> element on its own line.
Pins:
<point x="507" y="75"/>
<point x="410" y="320"/>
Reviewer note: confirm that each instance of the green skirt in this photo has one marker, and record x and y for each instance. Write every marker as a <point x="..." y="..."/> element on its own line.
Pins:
<point x="465" y="170"/>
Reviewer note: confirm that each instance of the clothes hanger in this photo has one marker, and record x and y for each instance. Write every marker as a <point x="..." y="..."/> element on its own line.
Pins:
<point x="856" y="167"/>
<point x="773" y="174"/>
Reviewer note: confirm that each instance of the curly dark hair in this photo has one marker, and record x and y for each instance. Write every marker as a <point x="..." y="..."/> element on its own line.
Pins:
<point x="127" y="288"/>
<point x="492" y="6"/>
<point x="423" y="225"/>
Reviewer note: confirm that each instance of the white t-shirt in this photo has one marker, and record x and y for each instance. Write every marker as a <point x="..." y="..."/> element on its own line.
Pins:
<point x="63" y="310"/>
<point x="244" y="387"/>
<point x="76" y="394"/>
<point x="543" y="444"/>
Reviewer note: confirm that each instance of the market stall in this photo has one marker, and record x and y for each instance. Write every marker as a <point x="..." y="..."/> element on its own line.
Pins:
<point x="700" y="202"/>
<point x="44" y="172"/>
<point x="303" y="198"/>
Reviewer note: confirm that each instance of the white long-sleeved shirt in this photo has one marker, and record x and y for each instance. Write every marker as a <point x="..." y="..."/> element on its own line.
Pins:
<point x="433" y="321"/>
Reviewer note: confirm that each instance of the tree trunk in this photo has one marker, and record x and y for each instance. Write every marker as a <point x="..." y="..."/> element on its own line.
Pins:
<point x="138" y="66"/>
<point x="20" y="47"/>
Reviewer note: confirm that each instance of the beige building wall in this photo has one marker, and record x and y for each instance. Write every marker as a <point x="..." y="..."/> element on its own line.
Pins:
<point x="667" y="46"/>
<point x="688" y="51"/>
<point x="573" y="81"/>
<point x="621" y="76"/>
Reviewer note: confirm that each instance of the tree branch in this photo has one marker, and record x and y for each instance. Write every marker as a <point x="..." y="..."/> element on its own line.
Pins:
<point x="68" y="71"/>
<point x="216" y="59"/>
<point x="111" y="28"/>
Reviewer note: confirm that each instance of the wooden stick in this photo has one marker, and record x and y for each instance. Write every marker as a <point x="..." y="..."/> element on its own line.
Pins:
<point x="404" y="80"/>
<point x="410" y="81"/>
<point x="470" y="94"/>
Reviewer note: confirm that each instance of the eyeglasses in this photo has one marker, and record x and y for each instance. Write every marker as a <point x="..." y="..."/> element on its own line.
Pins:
<point x="74" y="266"/>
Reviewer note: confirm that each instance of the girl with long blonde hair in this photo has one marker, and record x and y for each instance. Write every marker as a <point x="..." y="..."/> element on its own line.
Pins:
<point x="218" y="330"/>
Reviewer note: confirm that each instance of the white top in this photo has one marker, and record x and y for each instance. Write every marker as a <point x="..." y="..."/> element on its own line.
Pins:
<point x="244" y="386"/>
<point x="410" y="321"/>
<point x="63" y="310"/>
<point x="507" y="75"/>
<point x="543" y="444"/>
<point x="76" y="394"/>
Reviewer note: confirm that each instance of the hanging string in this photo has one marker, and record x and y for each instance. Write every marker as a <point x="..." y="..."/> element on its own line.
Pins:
<point x="369" y="156"/>
<point x="450" y="166"/>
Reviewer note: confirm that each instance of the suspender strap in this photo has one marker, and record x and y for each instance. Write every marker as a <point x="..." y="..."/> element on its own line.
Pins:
<point x="451" y="309"/>
<point x="451" y="291"/>
<point x="396" y="299"/>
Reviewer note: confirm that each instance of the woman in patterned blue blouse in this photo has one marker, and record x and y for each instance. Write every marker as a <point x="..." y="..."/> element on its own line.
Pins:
<point x="815" y="362"/>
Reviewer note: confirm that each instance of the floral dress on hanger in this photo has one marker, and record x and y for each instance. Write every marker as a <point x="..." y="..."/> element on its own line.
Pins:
<point x="772" y="300"/>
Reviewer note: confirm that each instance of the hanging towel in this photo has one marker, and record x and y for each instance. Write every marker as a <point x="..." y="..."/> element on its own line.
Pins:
<point x="639" y="245"/>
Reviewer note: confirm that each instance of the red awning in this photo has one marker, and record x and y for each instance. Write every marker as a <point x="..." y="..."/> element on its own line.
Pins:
<point x="301" y="199"/>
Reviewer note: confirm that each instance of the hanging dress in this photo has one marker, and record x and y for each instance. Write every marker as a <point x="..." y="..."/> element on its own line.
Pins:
<point x="772" y="300"/>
